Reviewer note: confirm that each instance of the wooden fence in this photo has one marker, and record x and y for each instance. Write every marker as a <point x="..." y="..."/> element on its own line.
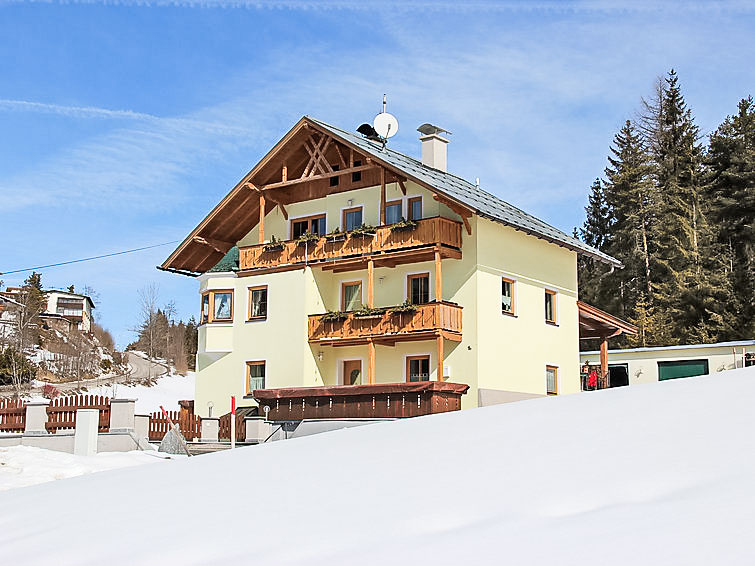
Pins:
<point x="189" y="424"/>
<point x="12" y="415"/>
<point x="61" y="412"/>
<point x="224" y="425"/>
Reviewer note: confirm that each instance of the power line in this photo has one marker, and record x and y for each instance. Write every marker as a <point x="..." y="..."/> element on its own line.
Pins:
<point x="87" y="258"/>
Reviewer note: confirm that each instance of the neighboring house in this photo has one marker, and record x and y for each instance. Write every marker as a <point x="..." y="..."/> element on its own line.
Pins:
<point x="75" y="308"/>
<point x="446" y="282"/>
<point x="65" y="310"/>
<point x="648" y="365"/>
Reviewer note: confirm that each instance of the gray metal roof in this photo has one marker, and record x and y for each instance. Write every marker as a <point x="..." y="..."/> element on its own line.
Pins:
<point x="482" y="202"/>
<point x="733" y="344"/>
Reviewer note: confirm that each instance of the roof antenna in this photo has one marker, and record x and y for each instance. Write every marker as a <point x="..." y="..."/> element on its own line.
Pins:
<point x="384" y="126"/>
<point x="477" y="182"/>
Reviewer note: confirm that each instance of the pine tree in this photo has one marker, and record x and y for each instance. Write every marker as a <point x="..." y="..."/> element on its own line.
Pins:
<point x="731" y="191"/>
<point x="596" y="231"/>
<point x="629" y="193"/>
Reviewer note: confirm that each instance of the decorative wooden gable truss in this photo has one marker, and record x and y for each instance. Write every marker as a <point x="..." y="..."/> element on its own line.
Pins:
<point x="299" y="168"/>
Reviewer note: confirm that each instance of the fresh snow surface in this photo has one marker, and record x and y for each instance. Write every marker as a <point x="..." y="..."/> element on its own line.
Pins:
<point x="168" y="391"/>
<point x="649" y="474"/>
<point x="21" y="466"/>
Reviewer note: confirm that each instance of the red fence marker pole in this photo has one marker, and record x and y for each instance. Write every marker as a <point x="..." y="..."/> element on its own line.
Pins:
<point x="233" y="422"/>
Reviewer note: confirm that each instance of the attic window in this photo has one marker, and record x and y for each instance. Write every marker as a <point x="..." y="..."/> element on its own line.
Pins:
<point x="356" y="176"/>
<point x="334" y="180"/>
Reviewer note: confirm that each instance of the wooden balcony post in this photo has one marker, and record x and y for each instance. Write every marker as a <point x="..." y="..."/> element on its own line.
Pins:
<point x="382" y="196"/>
<point x="438" y="277"/>
<point x="371" y="283"/>
<point x="604" y="362"/>
<point x="262" y="218"/>
<point x="371" y="362"/>
<point x="441" y="358"/>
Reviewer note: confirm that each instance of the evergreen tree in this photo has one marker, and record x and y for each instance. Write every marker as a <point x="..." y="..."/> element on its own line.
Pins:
<point x="731" y="192"/>
<point x="596" y="232"/>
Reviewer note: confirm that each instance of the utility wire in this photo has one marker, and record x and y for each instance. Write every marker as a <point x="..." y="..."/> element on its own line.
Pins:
<point x="88" y="258"/>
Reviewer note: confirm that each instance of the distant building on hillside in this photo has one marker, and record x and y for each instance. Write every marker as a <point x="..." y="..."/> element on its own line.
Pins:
<point x="647" y="365"/>
<point x="65" y="310"/>
<point x="8" y="309"/>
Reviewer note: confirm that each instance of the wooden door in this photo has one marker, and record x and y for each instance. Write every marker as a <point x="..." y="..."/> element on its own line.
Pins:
<point x="352" y="372"/>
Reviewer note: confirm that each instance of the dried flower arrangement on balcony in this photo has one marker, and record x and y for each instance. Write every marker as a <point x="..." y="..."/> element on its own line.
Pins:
<point x="367" y="312"/>
<point x="405" y="307"/>
<point x="335" y="316"/>
<point x="275" y="245"/>
<point x="403" y="225"/>
<point x="307" y="238"/>
<point x="335" y="236"/>
<point x="365" y="231"/>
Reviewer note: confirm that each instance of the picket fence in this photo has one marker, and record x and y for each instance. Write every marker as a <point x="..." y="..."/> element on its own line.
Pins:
<point x="12" y="415"/>
<point x="189" y="424"/>
<point x="61" y="412"/>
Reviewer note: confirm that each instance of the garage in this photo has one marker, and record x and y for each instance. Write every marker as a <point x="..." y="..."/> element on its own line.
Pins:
<point x="681" y="368"/>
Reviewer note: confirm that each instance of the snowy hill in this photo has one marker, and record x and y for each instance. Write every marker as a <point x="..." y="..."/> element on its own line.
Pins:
<point x="652" y="474"/>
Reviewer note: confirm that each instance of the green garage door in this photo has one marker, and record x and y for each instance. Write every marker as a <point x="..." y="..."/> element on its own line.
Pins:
<point x="685" y="368"/>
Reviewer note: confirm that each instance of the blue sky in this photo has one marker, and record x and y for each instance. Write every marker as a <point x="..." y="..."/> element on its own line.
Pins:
<point x="123" y="123"/>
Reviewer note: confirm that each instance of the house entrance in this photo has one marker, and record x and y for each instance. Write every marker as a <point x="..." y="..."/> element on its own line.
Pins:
<point x="352" y="372"/>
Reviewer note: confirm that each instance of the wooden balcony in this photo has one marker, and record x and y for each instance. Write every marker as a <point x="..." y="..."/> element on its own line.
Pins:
<point x="345" y="252"/>
<point x="380" y="401"/>
<point x="428" y="321"/>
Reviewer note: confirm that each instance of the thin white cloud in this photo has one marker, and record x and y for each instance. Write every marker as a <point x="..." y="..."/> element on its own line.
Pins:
<point x="424" y="6"/>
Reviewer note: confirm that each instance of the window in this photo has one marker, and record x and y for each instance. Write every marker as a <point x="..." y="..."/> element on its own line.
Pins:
<point x="550" y="306"/>
<point x="414" y="205"/>
<point x="507" y="296"/>
<point x="418" y="288"/>
<point x="205" y="314"/>
<point x="551" y="379"/>
<point x="334" y="180"/>
<point x="258" y="302"/>
<point x="392" y="211"/>
<point x="357" y="175"/>
<point x="217" y="306"/>
<point x="417" y="368"/>
<point x="351" y="296"/>
<point x="352" y="218"/>
<point x="313" y="224"/>
<point x="255" y="376"/>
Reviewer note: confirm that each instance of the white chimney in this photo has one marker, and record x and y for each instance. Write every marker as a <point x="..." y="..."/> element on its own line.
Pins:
<point x="433" y="146"/>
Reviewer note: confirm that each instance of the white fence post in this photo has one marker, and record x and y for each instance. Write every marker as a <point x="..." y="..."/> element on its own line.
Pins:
<point x="122" y="413"/>
<point x="85" y="437"/>
<point x="36" y="418"/>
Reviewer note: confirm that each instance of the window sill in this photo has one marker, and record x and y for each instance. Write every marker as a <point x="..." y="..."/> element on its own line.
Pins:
<point x="511" y="314"/>
<point x="257" y="319"/>
<point x="551" y="323"/>
<point x="219" y="323"/>
<point x="551" y="394"/>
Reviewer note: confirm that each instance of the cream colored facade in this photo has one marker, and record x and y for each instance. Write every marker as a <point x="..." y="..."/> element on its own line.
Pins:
<point x="642" y="363"/>
<point x="501" y="356"/>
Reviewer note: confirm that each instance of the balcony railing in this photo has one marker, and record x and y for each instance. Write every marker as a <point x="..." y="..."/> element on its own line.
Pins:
<point x="438" y="318"/>
<point x="383" y="400"/>
<point x="428" y="233"/>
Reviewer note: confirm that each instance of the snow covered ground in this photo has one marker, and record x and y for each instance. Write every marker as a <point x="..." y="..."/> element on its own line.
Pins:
<point x="21" y="466"/>
<point x="649" y="474"/>
<point x="168" y="390"/>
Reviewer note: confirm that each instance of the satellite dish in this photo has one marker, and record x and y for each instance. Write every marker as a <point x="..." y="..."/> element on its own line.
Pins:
<point x="385" y="125"/>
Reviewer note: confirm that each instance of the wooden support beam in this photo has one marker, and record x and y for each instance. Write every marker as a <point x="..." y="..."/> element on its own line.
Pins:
<point x="371" y="362"/>
<point x="382" y="196"/>
<point x="316" y="177"/>
<point x="402" y="185"/>
<point x="604" y="360"/>
<point x="217" y="245"/>
<point x="464" y="213"/>
<point x="284" y="174"/>
<point x="262" y="218"/>
<point x="280" y="205"/>
<point x="441" y="358"/>
<point x="438" y="276"/>
<point x="371" y="283"/>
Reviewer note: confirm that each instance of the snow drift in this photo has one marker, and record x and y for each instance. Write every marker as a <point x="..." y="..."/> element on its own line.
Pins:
<point x="653" y="474"/>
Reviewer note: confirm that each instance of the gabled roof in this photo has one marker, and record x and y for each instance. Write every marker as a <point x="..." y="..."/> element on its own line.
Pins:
<point x="191" y="257"/>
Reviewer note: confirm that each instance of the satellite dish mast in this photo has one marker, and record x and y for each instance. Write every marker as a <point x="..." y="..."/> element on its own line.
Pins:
<point x="385" y="124"/>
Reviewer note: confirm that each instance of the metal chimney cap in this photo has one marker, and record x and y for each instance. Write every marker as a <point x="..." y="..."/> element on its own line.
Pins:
<point x="429" y="129"/>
